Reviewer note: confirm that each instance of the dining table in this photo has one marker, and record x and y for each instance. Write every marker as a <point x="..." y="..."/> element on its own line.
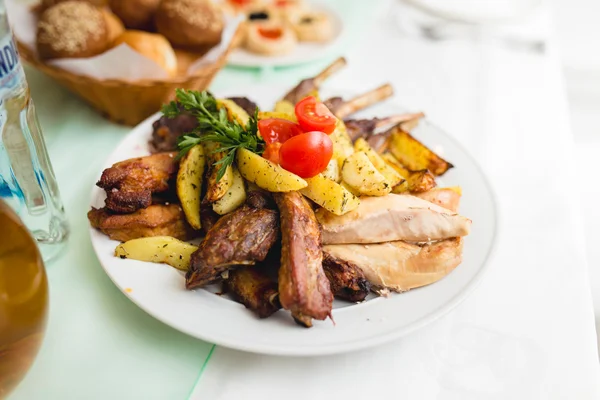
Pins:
<point x="525" y="332"/>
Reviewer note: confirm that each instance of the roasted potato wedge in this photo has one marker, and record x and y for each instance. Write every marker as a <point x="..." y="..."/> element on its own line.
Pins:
<point x="284" y="106"/>
<point x="189" y="184"/>
<point x="393" y="177"/>
<point x="234" y="112"/>
<point x="342" y="144"/>
<point x="273" y="114"/>
<point x="414" y="155"/>
<point x="265" y="174"/>
<point x="330" y="195"/>
<point x="416" y="181"/>
<point x="360" y="173"/>
<point x="216" y="190"/>
<point x="332" y="171"/>
<point x="235" y="196"/>
<point x="158" y="249"/>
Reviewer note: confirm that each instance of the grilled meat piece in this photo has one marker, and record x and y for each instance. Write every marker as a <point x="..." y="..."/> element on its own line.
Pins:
<point x="260" y="199"/>
<point x="246" y="104"/>
<point x="129" y="184"/>
<point x="306" y="86"/>
<point x="242" y="237"/>
<point x="334" y="103"/>
<point x="303" y="286"/>
<point x="365" y="128"/>
<point x="208" y="218"/>
<point x="361" y="128"/>
<point x="401" y="266"/>
<point x="392" y="217"/>
<point x="166" y="131"/>
<point x="155" y="220"/>
<point x="255" y="289"/>
<point x="343" y="109"/>
<point x="347" y="280"/>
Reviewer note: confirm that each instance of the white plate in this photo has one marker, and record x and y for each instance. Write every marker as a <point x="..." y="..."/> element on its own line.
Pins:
<point x="305" y="52"/>
<point x="159" y="289"/>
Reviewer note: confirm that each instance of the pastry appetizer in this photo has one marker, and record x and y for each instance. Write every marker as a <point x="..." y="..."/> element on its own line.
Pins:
<point x="270" y="38"/>
<point x="312" y="27"/>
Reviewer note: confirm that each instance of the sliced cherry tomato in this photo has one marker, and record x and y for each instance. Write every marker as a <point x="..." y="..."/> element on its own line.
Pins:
<point x="277" y="129"/>
<point x="307" y="154"/>
<point x="315" y="116"/>
<point x="270" y="33"/>
<point x="271" y="152"/>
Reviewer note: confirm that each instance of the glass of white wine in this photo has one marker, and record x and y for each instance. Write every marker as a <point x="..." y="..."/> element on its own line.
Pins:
<point x="23" y="299"/>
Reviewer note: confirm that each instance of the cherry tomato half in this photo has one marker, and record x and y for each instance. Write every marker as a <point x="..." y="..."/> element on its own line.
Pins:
<point x="307" y="154"/>
<point x="277" y="129"/>
<point x="315" y="116"/>
<point x="271" y="152"/>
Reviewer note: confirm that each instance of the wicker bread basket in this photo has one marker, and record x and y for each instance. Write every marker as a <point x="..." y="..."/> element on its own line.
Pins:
<point x="122" y="101"/>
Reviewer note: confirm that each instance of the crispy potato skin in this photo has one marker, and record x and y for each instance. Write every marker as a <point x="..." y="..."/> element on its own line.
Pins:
<point x="216" y="190"/>
<point x="414" y="155"/>
<point x="235" y="196"/>
<point x="303" y="286"/>
<point x="189" y="184"/>
<point x="416" y="181"/>
<point x="158" y="249"/>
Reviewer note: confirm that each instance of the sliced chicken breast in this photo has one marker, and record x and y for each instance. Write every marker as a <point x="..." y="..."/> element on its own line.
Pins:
<point x="401" y="266"/>
<point x="390" y="218"/>
<point x="444" y="197"/>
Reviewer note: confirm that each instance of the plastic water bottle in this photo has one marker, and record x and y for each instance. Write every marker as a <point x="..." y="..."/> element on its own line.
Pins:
<point x="27" y="181"/>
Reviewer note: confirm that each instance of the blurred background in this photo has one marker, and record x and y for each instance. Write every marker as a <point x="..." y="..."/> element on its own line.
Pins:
<point x="577" y="30"/>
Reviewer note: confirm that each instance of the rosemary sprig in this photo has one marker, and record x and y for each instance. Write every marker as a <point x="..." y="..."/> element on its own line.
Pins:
<point x="214" y="126"/>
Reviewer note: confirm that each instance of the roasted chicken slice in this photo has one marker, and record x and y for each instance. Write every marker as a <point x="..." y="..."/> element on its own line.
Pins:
<point x="303" y="286"/>
<point x="241" y="237"/>
<point x="348" y="282"/>
<point x="129" y="184"/>
<point x="401" y="266"/>
<point x="155" y="220"/>
<point x="392" y="217"/>
<point x="448" y="198"/>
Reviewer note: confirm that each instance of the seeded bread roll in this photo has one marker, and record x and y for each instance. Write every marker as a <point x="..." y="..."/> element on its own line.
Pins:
<point x="152" y="45"/>
<point x="190" y="23"/>
<point x="135" y="14"/>
<point x="73" y="29"/>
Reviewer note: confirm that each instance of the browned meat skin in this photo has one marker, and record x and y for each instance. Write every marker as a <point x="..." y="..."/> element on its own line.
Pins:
<point x="242" y="237"/>
<point x="303" y="286"/>
<point x="208" y="218"/>
<point x="245" y="103"/>
<point x="156" y="220"/>
<point x="129" y="184"/>
<point x="347" y="281"/>
<point x="334" y="103"/>
<point x="361" y="128"/>
<point x="255" y="289"/>
<point x="260" y="199"/>
<point x="166" y="131"/>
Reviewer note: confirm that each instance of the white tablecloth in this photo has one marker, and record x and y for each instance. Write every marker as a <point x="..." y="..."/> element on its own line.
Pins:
<point x="527" y="332"/>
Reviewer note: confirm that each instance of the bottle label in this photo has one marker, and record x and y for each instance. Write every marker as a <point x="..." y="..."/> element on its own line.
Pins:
<point x="11" y="71"/>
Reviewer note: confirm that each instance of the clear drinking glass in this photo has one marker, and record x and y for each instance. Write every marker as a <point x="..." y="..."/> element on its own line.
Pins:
<point x="27" y="181"/>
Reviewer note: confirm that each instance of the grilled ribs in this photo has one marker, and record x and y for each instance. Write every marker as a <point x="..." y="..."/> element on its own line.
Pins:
<point x="303" y="286"/>
<point x="348" y="282"/>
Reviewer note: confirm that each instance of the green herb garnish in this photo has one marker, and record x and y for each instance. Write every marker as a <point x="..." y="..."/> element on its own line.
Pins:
<point x="214" y="126"/>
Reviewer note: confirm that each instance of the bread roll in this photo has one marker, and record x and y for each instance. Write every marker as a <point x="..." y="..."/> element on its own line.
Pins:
<point x="72" y="29"/>
<point x="190" y="23"/>
<point x="114" y="25"/>
<point x="135" y="14"/>
<point x="152" y="45"/>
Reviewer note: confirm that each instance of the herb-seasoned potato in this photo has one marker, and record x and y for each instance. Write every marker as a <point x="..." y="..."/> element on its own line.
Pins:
<point x="414" y="155"/>
<point x="284" y="106"/>
<point x="360" y="173"/>
<point x="332" y="171"/>
<point x="273" y="114"/>
<point x="235" y="196"/>
<point x="216" y="190"/>
<point x="158" y="249"/>
<point x="330" y="195"/>
<point x="342" y="144"/>
<point x="234" y="112"/>
<point x="416" y="181"/>
<point x="265" y="174"/>
<point x="393" y="177"/>
<point x="189" y="184"/>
